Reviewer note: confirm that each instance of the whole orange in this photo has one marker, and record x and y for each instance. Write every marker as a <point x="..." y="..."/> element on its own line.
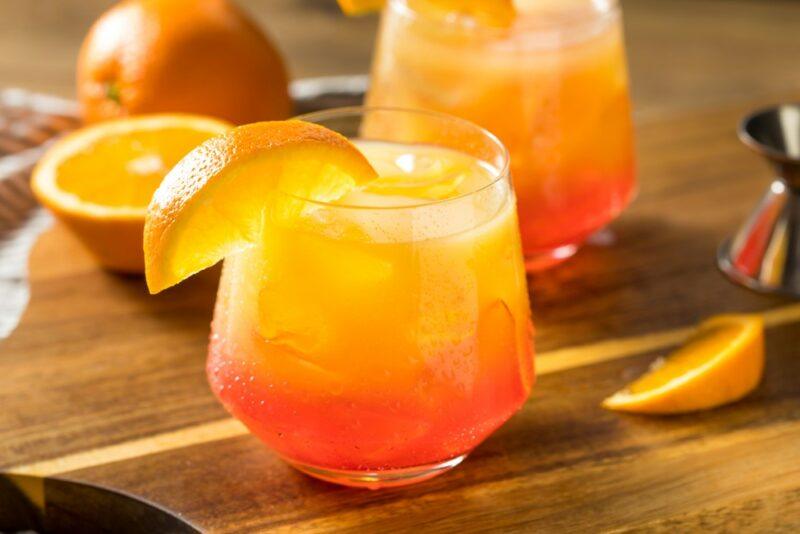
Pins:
<point x="193" y="56"/>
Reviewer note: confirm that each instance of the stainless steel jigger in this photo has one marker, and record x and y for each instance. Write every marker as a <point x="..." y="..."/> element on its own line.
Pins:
<point x="764" y="254"/>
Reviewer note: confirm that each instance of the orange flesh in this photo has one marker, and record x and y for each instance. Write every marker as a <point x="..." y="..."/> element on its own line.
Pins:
<point x="688" y="357"/>
<point x="720" y="363"/>
<point x="124" y="171"/>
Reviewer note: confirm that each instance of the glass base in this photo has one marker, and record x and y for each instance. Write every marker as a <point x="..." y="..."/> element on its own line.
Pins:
<point x="378" y="479"/>
<point x="545" y="259"/>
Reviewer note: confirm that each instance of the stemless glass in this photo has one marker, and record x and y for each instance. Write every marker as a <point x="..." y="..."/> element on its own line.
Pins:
<point x="553" y="87"/>
<point x="376" y="340"/>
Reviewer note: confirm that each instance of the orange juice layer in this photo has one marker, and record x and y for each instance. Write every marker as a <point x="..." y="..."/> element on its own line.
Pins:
<point x="554" y="88"/>
<point x="372" y="337"/>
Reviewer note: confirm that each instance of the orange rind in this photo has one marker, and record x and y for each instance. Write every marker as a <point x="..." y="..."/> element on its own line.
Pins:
<point x="721" y="362"/>
<point x="216" y="200"/>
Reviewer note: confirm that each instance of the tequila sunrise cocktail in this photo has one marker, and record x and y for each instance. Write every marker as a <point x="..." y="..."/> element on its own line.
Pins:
<point x="551" y="83"/>
<point x="377" y="339"/>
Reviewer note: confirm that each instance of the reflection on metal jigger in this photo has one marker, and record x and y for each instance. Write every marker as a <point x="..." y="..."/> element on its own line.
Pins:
<point x="764" y="254"/>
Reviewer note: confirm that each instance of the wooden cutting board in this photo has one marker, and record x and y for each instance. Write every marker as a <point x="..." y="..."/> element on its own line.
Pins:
<point x="103" y="384"/>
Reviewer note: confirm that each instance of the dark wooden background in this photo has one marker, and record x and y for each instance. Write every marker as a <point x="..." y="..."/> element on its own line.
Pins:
<point x="103" y="384"/>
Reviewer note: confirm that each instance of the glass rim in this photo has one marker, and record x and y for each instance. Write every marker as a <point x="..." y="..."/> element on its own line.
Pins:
<point x="502" y="172"/>
<point x="404" y="9"/>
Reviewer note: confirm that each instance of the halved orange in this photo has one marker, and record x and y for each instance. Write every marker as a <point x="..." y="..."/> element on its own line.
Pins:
<point x="499" y="13"/>
<point x="215" y="200"/>
<point x="721" y="362"/>
<point x="98" y="180"/>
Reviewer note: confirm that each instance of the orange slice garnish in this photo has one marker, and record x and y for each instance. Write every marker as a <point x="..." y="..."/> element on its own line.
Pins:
<point x="498" y="13"/>
<point x="99" y="180"/>
<point x="720" y="363"/>
<point x="215" y="201"/>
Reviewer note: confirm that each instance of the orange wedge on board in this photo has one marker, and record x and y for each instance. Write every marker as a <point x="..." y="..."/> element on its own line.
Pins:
<point x="721" y="362"/>
<point x="215" y="200"/>
<point x="499" y="13"/>
<point x="98" y="181"/>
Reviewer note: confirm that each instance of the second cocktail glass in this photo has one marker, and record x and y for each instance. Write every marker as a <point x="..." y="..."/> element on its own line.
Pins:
<point x="376" y="340"/>
<point x="553" y="86"/>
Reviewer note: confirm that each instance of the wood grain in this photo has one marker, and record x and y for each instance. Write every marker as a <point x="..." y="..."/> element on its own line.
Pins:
<point x="94" y="382"/>
<point x="562" y="464"/>
<point x="105" y="385"/>
<point x="124" y="376"/>
<point x="546" y="363"/>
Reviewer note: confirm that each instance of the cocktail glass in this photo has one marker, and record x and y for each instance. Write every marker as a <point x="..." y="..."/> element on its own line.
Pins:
<point x="375" y="341"/>
<point x="553" y="87"/>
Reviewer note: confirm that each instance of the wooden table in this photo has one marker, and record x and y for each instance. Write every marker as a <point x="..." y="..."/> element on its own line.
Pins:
<point x="103" y="384"/>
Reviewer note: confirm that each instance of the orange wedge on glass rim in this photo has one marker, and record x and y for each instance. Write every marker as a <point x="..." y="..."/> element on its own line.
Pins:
<point x="98" y="180"/>
<point x="215" y="200"/>
<point x="498" y="13"/>
<point x="721" y="362"/>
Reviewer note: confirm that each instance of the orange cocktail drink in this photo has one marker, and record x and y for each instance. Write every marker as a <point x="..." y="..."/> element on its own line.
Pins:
<point x="551" y="82"/>
<point x="376" y="339"/>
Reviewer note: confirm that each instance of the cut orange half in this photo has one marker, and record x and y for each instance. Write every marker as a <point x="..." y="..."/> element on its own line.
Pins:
<point x="498" y="13"/>
<point x="720" y="363"/>
<point x="215" y="200"/>
<point x="98" y="180"/>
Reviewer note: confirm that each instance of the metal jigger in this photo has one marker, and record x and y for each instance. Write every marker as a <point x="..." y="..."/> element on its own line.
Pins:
<point x="764" y="254"/>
